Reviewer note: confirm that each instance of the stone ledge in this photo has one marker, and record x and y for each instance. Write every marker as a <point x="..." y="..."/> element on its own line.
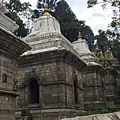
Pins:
<point x="9" y="92"/>
<point x="109" y="116"/>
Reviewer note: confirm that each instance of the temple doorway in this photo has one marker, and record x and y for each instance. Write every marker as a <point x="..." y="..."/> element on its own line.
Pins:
<point x="75" y="92"/>
<point x="33" y="92"/>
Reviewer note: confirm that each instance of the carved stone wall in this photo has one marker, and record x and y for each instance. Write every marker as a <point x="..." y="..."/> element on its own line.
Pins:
<point x="10" y="49"/>
<point x="111" y="85"/>
<point x="117" y="68"/>
<point x="8" y="70"/>
<point x="8" y="67"/>
<point x="56" y="73"/>
<point x="94" y="92"/>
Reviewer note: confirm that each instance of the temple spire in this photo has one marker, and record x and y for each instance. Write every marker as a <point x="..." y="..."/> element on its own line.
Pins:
<point x="97" y="48"/>
<point x="46" y="10"/>
<point x="79" y="36"/>
<point x="107" y="48"/>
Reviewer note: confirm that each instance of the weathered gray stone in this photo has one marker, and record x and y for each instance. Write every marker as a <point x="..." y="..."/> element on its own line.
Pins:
<point x="109" y="116"/>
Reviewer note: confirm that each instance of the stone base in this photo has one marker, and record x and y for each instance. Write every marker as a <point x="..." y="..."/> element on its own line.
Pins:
<point x="97" y="105"/>
<point x="112" y="99"/>
<point x="7" y="117"/>
<point x="51" y="114"/>
<point x="109" y="116"/>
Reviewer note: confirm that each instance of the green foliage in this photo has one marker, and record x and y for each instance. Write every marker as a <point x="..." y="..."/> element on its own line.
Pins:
<point x="115" y="6"/>
<point x="110" y="37"/>
<point x="16" y="9"/>
<point x="113" y="36"/>
<point x="111" y="107"/>
<point x="40" y="5"/>
<point x="51" y="4"/>
<point x="91" y="3"/>
<point x="116" y="49"/>
<point x="85" y="113"/>
<point x="21" y="31"/>
<point x="114" y="3"/>
<point x="70" y="25"/>
<point x="102" y="40"/>
<point x="61" y="6"/>
<point x="87" y="34"/>
<point x="16" y="5"/>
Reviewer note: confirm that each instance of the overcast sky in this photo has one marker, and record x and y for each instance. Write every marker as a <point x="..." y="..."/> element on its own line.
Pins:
<point x="95" y="17"/>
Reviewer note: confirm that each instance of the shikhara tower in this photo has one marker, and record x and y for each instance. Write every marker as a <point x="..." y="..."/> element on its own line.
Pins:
<point x="92" y="76"/>
<point x="50" y="73"/>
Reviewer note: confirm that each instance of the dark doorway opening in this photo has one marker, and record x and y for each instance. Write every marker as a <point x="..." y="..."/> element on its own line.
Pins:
<point x="33" y="92"/>
<point x="75" y="92"/>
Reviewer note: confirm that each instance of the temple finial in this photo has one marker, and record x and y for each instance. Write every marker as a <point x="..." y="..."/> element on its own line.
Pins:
<point x="97" y="49"/>
<point x="46" y="10"/>
<point x="97" y="46"/>
<point x="107" y="48"/>
<point x="79" y="36"/>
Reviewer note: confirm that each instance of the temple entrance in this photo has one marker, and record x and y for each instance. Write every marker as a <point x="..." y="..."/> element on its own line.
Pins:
<point x="75" y="92"/>
<point x="33" y="92"/>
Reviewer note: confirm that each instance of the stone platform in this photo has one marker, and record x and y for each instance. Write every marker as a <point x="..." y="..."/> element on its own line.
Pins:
<point x="109" y="116"/>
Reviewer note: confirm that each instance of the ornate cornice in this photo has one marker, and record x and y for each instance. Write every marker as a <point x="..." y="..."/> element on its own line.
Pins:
<point x="95" y="68"/>
<point x="50" y="56"/>
<point x="11" y="45"/>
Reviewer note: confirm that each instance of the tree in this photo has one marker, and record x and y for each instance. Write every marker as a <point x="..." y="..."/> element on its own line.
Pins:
<point x="114" y="3"/>
<point x="40" y="6"/>
<point x="116" y="49"/>
<point x="112" y="33"/>
<point x="87" y="34"/>
<point x="61" y="7"/>
<point x="70" y="25"/>
<point x="51" y="4"/>
<point x="102" y="40"/>
<point x="17" y="9"/>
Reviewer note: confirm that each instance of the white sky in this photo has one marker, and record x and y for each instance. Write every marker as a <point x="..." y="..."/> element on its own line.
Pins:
<point x="95" y="17"/>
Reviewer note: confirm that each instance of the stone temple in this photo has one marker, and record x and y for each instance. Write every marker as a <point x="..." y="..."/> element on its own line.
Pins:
<point x="45" y="77"/>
